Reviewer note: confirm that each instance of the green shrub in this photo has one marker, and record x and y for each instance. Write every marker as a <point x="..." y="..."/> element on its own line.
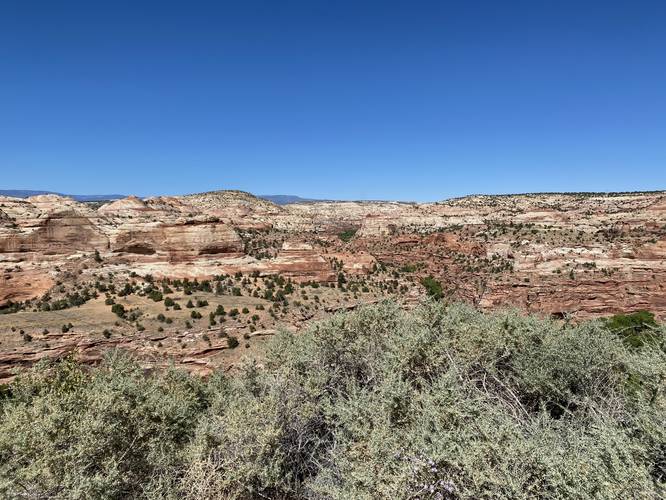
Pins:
<point x="433" y="287"/>
<point x="347" y="235"/>
<point x="118" y="310"/>
<point x="636" y="329"/>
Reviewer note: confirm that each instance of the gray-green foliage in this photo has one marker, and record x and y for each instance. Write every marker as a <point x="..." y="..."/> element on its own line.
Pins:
<point x="440" y="402"/>
<point x="107" y="433"/>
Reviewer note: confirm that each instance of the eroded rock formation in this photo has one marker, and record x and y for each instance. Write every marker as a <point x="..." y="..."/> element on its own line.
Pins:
<point x="584" y="255"/>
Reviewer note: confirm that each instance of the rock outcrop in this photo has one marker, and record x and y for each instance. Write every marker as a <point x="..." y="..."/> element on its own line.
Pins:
<point x="181" y="242"/>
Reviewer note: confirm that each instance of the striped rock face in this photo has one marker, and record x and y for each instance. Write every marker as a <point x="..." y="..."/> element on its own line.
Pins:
<point x="585" y="255"/>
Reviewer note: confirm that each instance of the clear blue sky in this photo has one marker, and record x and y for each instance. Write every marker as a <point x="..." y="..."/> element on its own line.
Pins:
<point x="411" y="100"/>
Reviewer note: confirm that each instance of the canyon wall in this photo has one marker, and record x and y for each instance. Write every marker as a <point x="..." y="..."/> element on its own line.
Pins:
<point x="563" y="254"/>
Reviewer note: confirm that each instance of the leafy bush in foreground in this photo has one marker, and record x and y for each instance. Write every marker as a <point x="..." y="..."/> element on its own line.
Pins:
<point x="68" y="433"/>
<point x="441" y="402"/>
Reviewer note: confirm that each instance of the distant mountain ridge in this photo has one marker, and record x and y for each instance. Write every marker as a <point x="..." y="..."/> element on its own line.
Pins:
<point x="278" y="199"/>
<point x="286" y="199"/>
<point x="26" y="193"/>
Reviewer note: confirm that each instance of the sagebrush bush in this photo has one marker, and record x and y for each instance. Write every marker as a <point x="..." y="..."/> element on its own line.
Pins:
<point x="439" y="402"/>
<point x="107" y="433"/>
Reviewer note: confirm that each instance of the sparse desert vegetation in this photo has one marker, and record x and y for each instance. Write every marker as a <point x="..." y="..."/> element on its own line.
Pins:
<point x="438" y="402"/>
